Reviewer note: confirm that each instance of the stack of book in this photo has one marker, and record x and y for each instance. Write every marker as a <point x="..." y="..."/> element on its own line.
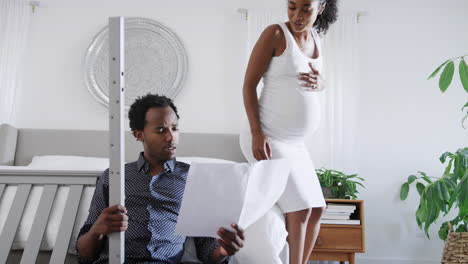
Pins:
<point x="339" y="214"/>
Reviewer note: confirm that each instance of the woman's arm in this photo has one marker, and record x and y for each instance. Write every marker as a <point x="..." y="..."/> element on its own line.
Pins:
<point x="265" y="48"/>
<point x="259" y="60"/>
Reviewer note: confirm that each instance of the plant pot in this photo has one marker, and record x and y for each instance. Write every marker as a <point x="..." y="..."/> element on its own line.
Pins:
<point x="327" y="193"/>
<point x="456" y="248"/>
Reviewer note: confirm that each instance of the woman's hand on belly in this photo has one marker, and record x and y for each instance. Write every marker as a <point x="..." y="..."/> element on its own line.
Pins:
<point x="261" y="147"/>
<point x="313" y="81"/>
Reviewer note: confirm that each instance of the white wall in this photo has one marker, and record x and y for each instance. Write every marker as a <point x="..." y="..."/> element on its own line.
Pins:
<point x="405" y="123"/>
<point x="54" y="94"/>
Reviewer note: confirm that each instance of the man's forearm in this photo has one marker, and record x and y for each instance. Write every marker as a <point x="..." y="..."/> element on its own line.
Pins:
<point x="217" y="257"/>
<point x="88" y="245"/>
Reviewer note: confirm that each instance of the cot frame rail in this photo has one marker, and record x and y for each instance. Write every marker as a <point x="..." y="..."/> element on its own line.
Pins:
<point x="25" y="180"/>
<point x="116" y="130"/>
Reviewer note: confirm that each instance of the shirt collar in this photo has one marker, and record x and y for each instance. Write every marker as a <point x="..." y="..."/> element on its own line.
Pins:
<point x="142" y="164"/>
<point x="169" y="165"/>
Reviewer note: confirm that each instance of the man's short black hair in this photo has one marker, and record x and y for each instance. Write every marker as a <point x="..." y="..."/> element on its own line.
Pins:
<point x="138" y="109"/>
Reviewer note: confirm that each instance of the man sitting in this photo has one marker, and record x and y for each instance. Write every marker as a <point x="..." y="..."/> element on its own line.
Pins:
<point x="154" y="187"/>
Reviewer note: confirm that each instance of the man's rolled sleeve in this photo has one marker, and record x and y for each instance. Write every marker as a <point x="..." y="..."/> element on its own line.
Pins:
<point x="99" y="202"/>
<point x="205" y="249"/>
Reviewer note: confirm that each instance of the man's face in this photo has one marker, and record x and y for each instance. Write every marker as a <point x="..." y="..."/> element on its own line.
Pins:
<point x="160" y="134"/>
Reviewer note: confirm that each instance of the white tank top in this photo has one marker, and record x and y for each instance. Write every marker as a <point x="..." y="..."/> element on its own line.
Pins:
<point x="287" y="111"/>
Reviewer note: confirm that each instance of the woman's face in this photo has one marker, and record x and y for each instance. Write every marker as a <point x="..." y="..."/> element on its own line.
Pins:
<point x="303" y="13"/>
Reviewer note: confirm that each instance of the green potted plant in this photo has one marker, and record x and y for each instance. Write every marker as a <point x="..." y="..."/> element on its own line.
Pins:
<point x="337" y="185"/>
<point x="441" y="195"/>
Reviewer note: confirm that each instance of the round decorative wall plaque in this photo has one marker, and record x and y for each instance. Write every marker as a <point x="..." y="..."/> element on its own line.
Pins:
<point x="155" y="61"/>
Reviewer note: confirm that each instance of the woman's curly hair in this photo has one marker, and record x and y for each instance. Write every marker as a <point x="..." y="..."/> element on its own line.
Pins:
<point x="328" y="16"/>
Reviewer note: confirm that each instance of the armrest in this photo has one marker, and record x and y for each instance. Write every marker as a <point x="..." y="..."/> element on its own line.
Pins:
<point x="8" y="138"/>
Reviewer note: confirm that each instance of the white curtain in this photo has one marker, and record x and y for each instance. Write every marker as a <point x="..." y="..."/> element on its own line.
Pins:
<point x="14" y="24"/>
<point x="335" y="144"/>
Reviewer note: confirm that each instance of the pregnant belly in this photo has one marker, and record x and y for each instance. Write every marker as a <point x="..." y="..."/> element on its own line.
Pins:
<point x="289" y="114"/>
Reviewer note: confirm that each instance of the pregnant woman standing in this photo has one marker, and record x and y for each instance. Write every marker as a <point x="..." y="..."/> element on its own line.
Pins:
<point x="289" y="59"/>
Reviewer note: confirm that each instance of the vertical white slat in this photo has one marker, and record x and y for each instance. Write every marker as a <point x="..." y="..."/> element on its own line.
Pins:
<point x="2" y="188"/>
<point x="13" y="220"/>
<point x="39" y="225"/>
<point x="116" y="131"/>
<point x="67" y="223"/>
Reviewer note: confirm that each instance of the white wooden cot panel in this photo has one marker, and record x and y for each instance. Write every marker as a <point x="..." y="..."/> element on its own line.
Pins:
<point x="25" y="180"/>
<point x="13" y="220"/>
<point x="31" y="250"/>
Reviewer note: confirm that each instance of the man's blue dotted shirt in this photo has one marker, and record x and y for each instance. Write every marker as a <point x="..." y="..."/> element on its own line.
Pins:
<point x="153" y="204"/>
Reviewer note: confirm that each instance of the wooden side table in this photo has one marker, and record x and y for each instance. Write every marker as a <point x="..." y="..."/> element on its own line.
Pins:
<point x="341" y="242"/>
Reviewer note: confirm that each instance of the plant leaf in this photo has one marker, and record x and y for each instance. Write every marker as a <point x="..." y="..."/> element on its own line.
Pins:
<point x="432" y="210"/>
<point x="448" y="168"/>
<point x="424" y="176"/>
<point x="404" y="191"/>
<point x="461" y="228"/>
<point x="463" y="71"/>
<point x="420" y="187"/>
<point x="458" y="169"/>
<point x="463" y="196"/>
<point x="451" y="184"/>
<point x="437" y="70"/>
<point x="455" y="221"/>
<point x="427" y="179"/>
<point x="438" y="190"/>
<point x="418" y="221"/>
<point x="453" y="197"/>
<point x="443" y="232"/>
<point x="446" y="76"/>
<point x="464" y="157"/>
<point x="437" y="196"/>
<point x="411" y="179"/>
<point x="421" y="212"/>
<point x="440" y="200"/>
<point x="444" y="192"/>
<point x="444" y="156"/>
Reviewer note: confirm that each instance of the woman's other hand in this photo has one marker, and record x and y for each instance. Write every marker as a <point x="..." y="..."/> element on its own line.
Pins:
<point x="261" y="147"/>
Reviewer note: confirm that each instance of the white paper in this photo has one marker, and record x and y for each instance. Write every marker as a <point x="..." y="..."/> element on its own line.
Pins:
<point x="218" y="195"/>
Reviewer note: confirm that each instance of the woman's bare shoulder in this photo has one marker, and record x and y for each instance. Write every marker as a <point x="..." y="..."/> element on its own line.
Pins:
<point x="273" y="32"/>
<point x="273" y="37"/>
